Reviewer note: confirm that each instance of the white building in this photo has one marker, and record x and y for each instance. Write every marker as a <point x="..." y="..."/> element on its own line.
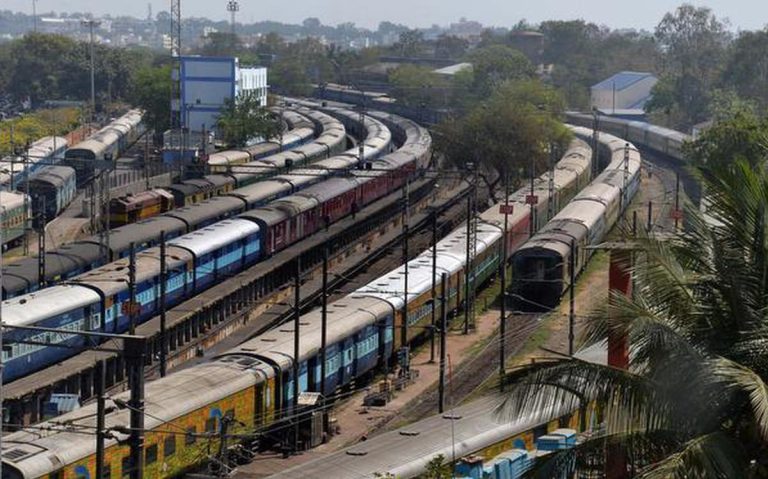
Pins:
<point x="625" y="91"/>
<point x="252" y="80"/>
<point x="208" y="83"/>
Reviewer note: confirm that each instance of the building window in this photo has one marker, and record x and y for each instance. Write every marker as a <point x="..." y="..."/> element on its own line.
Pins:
<point x="169" y="447"/>
<point x="150" y="456"/>
<point x="190" y="438"/>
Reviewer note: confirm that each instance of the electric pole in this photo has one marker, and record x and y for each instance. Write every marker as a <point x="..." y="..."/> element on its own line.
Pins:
<point x="91" y="24"/>
<point x="233" y="7"/>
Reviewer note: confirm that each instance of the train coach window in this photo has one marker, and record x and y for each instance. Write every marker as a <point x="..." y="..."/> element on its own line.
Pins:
<point x="210" y="425"/>
<point x="126" y="467"/>
<point x="169" y="446"/>
<point x="56" y="475"/>
<point x="106" y="473"/>
<point x="190" y="437"/>
<point x="151" y="454"/>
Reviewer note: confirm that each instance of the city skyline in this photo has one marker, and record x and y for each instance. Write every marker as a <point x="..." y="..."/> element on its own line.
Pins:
<point x="743" y="15"/>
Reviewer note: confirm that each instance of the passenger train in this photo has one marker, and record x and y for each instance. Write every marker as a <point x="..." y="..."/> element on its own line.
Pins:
<point x="331" y="140"/>
<point x="107" y="143"/>
<point x="14" y="172"/>
<point x="51" y="190"/>
<point x="45" y="151"/>
<point x="541" y="269"/>
<point x="75" y="258"/>
<point x="300" y="132"/>
<point x="15" y="209"/>
<point x="97" y="299"/>
<point x="253" y="383"/>
<point x="663" y="140"/>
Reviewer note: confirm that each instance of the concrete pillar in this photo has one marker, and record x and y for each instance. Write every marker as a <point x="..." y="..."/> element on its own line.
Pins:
<point x="619" y="281"/>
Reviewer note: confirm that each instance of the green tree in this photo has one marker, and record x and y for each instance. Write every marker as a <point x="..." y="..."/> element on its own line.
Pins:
<point x="693" y="41"/>
<point x="693" y="402"/>
<point x="410" y="43"/>
<point x="746" y="70"/>
<point x="743" y="137"/>
<point x="222" y="44"/>
<point x="495" y="64"/>
<point x="509" y="131"/>
<point x="450" y="46"/>
<point x="152" y="93"/>
<point x="415" y="85"/>
<point x="244" y="119"/>
<point x="39" y="59"/>
<point x="290" y="76"/>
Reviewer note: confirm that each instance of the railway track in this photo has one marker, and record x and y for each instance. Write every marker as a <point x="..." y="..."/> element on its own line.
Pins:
<point x="465" y="377"/>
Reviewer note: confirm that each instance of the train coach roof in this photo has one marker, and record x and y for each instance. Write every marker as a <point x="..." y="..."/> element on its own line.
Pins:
<point x="215" y="236"/>
<point x="55" y="175"/>
<point x="11" y="199"/>
<point x="279" y="159"/>
<point x="217" y="180"/>
<point x="228" y="157"/>
<point x="142" y="232"/>
<point x="391" y="286"/>
<point x="263" y="190"/>
<point x="406" y="452"/>
<point x="113" y="277"/>
<point x="166" y="399"/>
<point x="30" y="308"/>
<point x="345" y="316"/>
<point x="600" y="192"/>
<point x="264" y="148"/>
<point x="329" y="189"/>
<point x="23" y="273"/>
<point x="208" y="210"/>
<point x="269" y="215"/>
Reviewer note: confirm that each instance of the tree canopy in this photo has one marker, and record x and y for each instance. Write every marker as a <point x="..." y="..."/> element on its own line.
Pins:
<point x="693" y="41"/>
<point x="495" y="64"/>
<point x="244" y="119"/>
<point x="152" y="92"/>
<point x="743" y="137"/>
<point x="513" y="128"/>
<point x="53" y="67"/>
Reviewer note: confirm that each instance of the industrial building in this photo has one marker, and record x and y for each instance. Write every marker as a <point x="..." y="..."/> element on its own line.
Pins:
<point x="625" y="91"/>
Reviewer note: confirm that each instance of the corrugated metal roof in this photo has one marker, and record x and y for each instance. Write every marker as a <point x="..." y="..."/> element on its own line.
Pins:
<point x="621" y="80"/>
<point x="453" y="69"/>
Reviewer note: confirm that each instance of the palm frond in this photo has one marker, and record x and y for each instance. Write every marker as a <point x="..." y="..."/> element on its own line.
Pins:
<point x="743" y="379"/>
<point x="550" y="388"/>
<point x="589" y="456"/>
<point x="714" y="455"/>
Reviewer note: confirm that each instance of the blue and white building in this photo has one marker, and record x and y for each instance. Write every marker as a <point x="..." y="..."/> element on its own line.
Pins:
<point x="207" y="83"/>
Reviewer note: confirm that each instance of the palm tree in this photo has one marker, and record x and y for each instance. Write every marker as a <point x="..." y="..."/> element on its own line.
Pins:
<point x="694" y="402"/>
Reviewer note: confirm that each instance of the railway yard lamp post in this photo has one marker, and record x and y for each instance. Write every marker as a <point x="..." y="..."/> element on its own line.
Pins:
<point x="91" y="24"/>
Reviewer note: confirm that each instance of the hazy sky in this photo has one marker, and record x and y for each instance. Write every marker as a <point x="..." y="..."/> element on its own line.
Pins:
<point x="743" y="14"/>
